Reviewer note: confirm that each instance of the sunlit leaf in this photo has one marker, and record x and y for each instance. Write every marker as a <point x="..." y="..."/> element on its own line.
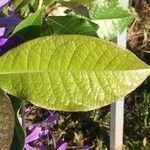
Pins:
<point x="30" y="27"/>
<point x="80" y="2"/>
<point x="70" y="72"/>
<point x="111" y="17"/>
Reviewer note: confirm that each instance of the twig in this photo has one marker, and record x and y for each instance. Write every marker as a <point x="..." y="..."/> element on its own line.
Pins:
<point x="23" y="116"/>
<point x="40" y="4"/>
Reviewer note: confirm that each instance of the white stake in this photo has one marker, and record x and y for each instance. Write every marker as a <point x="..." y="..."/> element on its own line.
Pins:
<point x="117" y="109"/>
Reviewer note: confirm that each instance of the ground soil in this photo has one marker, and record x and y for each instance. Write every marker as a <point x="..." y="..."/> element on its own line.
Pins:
<point x="139" y="30"/>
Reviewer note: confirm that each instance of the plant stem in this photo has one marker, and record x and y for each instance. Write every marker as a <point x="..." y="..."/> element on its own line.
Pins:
<point x="40" y="4"/>
<point x="23" y="117"/>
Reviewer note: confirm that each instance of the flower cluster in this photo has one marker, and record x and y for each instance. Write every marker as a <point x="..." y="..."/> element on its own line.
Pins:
<point x="38" y="131"/>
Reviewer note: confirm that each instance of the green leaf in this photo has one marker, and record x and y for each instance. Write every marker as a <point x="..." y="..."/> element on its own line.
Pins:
<point x="15" y="3"/>
<point x="33" y="6"/>
<point x="6" y="121"/>
<point x="20" y="4"/>
<point x="30" y="8"/>
<point x="70" y="72"/>
<point x="30" y="27"/>
<point x="48" y="2"/>
<point x="80" y="2"/>
<point x="19" y="135"/>
<point x="69" y="25"/>
<point x="111" y="17"/>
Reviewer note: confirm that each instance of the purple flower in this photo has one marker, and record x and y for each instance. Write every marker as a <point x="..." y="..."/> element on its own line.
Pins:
<point x="42" y="147"/>
<point x="31" y="127"/>
<point x="2" y="42"/>
<point x="7" y="24"/>
<point x="3" y="3"/>
<point x="10" y="43"/>
<point x="13" y="20"/>
<point x="86" y="147"/>
<point x="63" y="146"/>
<point x="2" y="31"/>
<point x="28" y="147"/>
<point x="52" y="118"/>
<point x="36" y="134"/>
<point x="8" y="20"/>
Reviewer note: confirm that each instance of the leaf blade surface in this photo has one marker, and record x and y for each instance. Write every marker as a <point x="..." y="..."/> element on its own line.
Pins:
<point x="69" y="25"/>
<point x="70" y="72"/>
<point x="111" y="17"/>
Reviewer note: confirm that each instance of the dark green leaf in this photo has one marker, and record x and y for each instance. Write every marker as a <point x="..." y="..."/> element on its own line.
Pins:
<point x="69" y="25"/>
<point x="19" y="136"/>
<point x="30" y="27"/>
<point x="48" y="2"/>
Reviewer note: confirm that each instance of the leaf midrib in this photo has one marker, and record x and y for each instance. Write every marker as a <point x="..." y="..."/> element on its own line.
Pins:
<point x="5" y="73"/>
<point x="61" y="25"/>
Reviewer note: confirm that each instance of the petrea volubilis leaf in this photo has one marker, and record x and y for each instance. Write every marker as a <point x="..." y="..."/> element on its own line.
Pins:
<point x="19" y="135"/>
<point x="111" y="17"/>
<point x="69" y="25"/>
<point x="7" y="122"/>
<point x="20" y="4"/>
<point x="80" y="2"/>
<point x="30" y="27"/>
<point x="71" y="72"/>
